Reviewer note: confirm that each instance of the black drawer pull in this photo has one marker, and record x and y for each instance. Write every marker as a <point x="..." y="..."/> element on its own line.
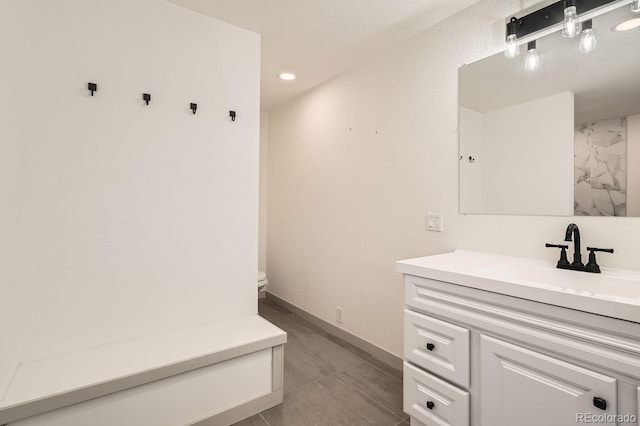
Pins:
<point x="600" y="403"/>
<point x="430" y="405"/>
<point x="430" y="346"/>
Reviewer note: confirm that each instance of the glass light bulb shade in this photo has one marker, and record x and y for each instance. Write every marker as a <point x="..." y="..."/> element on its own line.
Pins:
<point x="513" y="49"/>
<point x="635" y="6"/>
<point x="533" y="60"/>
<point x="571" y="26"/>
<point x="588" y="41"/>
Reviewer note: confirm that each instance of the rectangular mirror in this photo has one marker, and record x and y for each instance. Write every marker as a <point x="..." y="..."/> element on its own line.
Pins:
<point x="563" y="139"/>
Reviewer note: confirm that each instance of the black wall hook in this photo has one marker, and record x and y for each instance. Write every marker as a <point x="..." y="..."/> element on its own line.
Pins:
<point x="146" y="97"/>
<point x="194" y="107"/>
<point x="232" y="114"/>
<point x="93" y="87"/>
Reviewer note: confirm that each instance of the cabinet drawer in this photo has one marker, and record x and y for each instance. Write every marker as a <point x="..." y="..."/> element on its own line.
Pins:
<point x="437" y="346"/>
<point x="433" y="401"/>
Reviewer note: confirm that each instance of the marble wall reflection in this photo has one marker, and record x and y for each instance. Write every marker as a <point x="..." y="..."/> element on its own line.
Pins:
<point x="601" y="168"/>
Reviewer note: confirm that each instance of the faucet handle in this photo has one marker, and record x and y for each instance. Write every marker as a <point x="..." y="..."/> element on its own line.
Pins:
<point x="592" y="265"/>
<point x="563" y="254"/>
<point x="560" y="246"/>
<point x="594" y="249"/>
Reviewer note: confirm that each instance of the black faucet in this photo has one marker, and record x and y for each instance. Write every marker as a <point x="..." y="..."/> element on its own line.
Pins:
<point x="573" y="234"/>
<point x="577" y="255"/>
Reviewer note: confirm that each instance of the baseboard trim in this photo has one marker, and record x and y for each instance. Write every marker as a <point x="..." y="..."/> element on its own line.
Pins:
<point x="243" y="411"/>
<point x="375" y="351"/>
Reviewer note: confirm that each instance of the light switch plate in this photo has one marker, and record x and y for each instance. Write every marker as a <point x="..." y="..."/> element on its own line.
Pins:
<point x="434" y="222"/>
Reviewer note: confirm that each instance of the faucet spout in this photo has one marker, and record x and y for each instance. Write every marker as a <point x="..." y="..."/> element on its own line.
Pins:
<point x="573" y="231"/>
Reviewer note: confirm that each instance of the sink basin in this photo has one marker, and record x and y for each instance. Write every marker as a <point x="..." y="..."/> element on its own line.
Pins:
<point x="607" y="285"/>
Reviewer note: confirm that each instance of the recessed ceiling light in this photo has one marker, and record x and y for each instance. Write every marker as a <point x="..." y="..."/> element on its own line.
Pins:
<point x="287" y="76"/>
<point x="627" y="25"/>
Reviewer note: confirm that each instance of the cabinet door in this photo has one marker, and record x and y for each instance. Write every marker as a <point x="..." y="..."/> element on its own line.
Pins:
<point x="526" y="388"/>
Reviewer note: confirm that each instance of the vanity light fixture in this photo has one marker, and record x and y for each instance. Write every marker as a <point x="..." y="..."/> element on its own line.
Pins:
<point x="513" y="48"/>
<point x="532" y="62"/>
<point x="561" y="15"/>
<point x="635" y="6"/>
<point x="588" y="40"/>
<point x="557" y="15"/>
<point x="571" y="25"/>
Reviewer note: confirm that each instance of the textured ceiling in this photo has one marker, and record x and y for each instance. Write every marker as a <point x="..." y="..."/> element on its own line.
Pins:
<point x="319" y="39"/>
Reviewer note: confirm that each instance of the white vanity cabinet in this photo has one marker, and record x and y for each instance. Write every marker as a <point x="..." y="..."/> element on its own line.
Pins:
<point x="475" y="357"/>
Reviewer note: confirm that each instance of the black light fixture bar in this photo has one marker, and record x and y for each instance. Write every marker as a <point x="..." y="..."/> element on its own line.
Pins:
<point x="587" y="25"/>
<point x="550" y="15"/>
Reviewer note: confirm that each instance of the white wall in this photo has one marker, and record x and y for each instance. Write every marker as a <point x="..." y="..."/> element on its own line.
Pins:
<point x="528" y="165"/>
<point x="124" y="220"/>
<point x="263" y="194"/>
<point x="345" y="203"/>
<point x="11" y="101"/>
<point x="633" y="165"/>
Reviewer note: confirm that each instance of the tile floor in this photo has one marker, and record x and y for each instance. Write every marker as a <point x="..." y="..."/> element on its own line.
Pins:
<point x="328" y="381"/>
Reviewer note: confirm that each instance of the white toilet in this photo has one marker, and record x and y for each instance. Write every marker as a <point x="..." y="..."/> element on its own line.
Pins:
<point x="262" y="284"/>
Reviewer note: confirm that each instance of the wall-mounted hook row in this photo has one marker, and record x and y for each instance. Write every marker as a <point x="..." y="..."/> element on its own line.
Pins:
<point x="146" y="97"/>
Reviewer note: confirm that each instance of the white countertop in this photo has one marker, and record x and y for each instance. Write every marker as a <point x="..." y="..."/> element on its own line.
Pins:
<point x="614" y="293"/>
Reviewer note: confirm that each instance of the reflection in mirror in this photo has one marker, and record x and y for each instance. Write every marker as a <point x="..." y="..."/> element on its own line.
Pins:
<point x="600" y="178"/>
<point x="561" y="140"/>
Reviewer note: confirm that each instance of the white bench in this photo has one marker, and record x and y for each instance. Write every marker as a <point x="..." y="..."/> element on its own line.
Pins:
<point x="208" y="375"/>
